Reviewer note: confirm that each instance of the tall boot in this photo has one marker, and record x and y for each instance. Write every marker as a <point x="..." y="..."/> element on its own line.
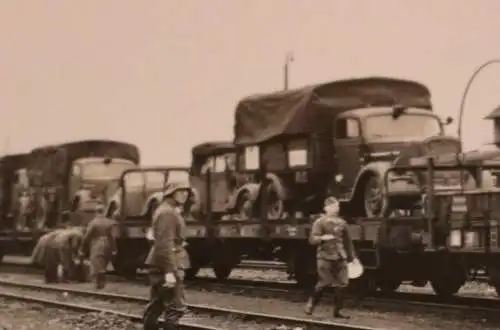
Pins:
<point x="100" y="281"/>
<point x="313" y="301"/>
<point x="171" y="319"/>
<point x="338" y="300"/>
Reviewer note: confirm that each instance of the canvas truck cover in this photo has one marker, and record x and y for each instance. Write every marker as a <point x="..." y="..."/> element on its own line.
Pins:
<point x="210" y="148"/>
<point x="313" y="108"/>
<point x="52" y="161"/>
<point x="10" y="163"/>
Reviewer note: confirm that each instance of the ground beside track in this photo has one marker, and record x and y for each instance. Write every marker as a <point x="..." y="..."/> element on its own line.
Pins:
<point x="385" y="317"/>
<point x="15" y="315"/>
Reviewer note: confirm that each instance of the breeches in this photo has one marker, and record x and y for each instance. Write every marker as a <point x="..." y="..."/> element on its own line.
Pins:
<point x="99" y="263"/>
<point x="332" y="273"/>
<point x="173" y="298"/>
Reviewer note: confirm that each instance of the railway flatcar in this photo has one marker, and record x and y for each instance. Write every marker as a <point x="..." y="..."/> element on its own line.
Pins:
<point x="138" y="194"/>
<point x="59" y="181"/>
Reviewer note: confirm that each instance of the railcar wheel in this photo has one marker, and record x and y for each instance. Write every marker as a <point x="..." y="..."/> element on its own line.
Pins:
<point x="388" y="286"/>
<point x="446" y="287"/>
<point x="374" y="201"/>
<point x="275" y="207"/>
<point x="123" y="269"/>
<point x="305" y="279"/>
<point x="222" y="272"/>
<point x="190" y="273"/>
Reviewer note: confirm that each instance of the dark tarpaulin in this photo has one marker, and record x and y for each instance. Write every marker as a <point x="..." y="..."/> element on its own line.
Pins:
<point x="51" y="162"/>
<point x="11" y="163"/>
<point x="495" y="114"/>
<point x="209" y="148"/>
<point x="313" y="108"/>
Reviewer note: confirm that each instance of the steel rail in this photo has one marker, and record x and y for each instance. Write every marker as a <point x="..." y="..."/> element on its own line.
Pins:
<point x="197" y="309"/>
<point x="288" y="291"/>
<point x="285" y="290"/>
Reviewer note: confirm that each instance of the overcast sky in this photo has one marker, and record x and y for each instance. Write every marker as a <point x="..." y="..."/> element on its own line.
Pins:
<point x="166" y="74"/>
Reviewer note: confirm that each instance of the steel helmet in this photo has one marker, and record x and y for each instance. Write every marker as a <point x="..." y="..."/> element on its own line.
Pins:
<point x="175" y="186"/>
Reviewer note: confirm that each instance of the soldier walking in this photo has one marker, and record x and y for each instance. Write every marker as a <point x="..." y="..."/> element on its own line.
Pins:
<point x="168" y="259"/>
<point x="61" y="252"/>
<point x="334" y="250"/>
<point x="99" y="243"/>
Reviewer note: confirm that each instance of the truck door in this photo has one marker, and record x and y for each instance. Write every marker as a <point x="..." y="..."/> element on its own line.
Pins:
<point x="347" y="143"/>
<point x="220" y="184"/>
<point x="134" y="193"/>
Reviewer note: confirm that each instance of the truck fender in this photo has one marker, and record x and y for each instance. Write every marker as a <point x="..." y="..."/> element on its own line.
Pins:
<point x="374" y="168"/>
<point x="154" y="197"/>
<point x="251" y="188"/>
<point x="115" y="199"/>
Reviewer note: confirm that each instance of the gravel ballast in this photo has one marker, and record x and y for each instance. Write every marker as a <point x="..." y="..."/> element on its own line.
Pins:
<point x="385" y="317"/>
<point x="16" y="315"/>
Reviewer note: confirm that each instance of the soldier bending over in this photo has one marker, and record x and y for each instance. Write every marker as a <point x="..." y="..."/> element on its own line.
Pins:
<point x="62" y="251"/>
<point x="335" y="250"/>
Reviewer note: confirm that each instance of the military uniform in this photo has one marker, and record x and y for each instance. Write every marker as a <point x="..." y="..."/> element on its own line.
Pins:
<point x="99" y="243"/>
<point x="61" y="251"/>
<point x="167" y="255"/>
<point x="38" y="257"/>
<point x="332" y="257"/>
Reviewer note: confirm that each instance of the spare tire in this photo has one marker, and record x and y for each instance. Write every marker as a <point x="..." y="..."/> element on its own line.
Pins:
<point x="275" y="204"/>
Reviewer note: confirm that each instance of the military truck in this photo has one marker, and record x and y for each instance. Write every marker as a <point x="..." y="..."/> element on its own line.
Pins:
<point x="337" y="138"/>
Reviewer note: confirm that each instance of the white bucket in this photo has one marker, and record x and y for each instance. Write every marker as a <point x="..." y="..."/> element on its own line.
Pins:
<point x="355" y="269"/>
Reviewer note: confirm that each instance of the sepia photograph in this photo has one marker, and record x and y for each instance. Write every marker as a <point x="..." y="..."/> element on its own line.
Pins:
<point x="249" y="165"/>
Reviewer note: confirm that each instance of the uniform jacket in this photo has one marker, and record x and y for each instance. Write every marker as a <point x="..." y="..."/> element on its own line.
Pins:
<point x="69" y="240"/>
<point x="339" y="248"/>
<point x="99" y="242"/>
<point x="39" y="254"/>
<point x="100" y="236"/>
<point x="169" y="233"/>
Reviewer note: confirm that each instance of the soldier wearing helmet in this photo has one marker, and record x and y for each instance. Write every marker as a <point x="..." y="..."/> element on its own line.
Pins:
<point x="168" y="258"/>
<point x="334" y="250"/>
<point x="99" y="244"/>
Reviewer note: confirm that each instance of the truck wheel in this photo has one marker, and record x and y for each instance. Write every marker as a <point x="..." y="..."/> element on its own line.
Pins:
<point x="275" y="207"/>
<point x="374" y="200"/>
<point x="244" y="206"/>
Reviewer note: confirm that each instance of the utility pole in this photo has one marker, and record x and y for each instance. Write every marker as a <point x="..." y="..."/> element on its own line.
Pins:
<point x="288" y="59"/>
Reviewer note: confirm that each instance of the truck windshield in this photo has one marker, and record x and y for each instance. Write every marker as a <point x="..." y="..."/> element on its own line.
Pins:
<point x="95" y="168"/>
<point x="418" y="126"/>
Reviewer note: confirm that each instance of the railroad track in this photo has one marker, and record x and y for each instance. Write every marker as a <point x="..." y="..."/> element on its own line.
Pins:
<point x="38" y="294"/>
<point x="289" y="292"/>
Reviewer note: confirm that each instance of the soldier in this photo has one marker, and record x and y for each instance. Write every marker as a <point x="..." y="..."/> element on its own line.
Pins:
<point x="24" y="210"/>
<point x="38" y="257"/>
<point x="62" y="251"/>
<point x="168" y="259"/>
<point x="335" y="250"/>
<point x="99" y="243"/>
